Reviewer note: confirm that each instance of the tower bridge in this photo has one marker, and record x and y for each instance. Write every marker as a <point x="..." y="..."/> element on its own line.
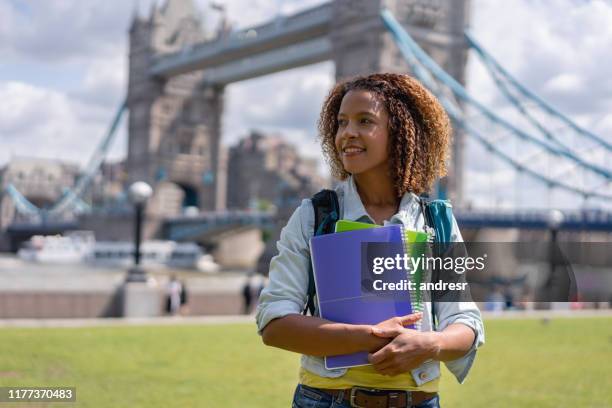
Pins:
<point x="175" y="100"/>
<point x="177" y="77"/>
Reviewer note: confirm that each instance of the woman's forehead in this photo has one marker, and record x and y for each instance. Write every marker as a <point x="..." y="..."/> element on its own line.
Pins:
<point x="360" y="100"/>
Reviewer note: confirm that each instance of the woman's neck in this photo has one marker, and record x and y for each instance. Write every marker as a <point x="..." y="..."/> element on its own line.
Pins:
<point x="375" y="190"/>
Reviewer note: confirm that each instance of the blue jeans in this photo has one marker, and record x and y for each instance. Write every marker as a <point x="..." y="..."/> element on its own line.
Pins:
<point x="307" y="397"/>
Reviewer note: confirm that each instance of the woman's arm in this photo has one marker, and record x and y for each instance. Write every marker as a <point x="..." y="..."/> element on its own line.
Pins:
<point x="409" y="349"/>
<point x="453" y="342"/>
<point x="319" y="337"/>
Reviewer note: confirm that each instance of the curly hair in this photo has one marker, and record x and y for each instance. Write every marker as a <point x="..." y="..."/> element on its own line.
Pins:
<point x="419" y="130"/>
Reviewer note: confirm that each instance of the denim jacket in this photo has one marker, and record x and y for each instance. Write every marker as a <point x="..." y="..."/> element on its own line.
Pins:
<point x="286" y="292"/>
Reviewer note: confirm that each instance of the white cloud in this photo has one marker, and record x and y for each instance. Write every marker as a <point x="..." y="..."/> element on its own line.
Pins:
<point x="603" y="126"/>
<point x="538" y="41"/>
<point x="7" y="18"/>
<point x="241" y="13"/>
<point x="64" y="31"/>
<point x="285" y="101"/>
<point x="104" y="82"/>
<point x="23" y="103"/>
<point x="38" y="122"/>
<point x="564" y="83"/>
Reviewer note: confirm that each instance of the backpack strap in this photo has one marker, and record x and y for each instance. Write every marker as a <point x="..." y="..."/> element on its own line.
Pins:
<point x="326" y="213"/>
<point x="438" y="216"/>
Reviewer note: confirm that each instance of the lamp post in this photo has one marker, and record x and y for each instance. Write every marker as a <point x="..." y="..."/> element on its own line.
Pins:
<point x="555" y="220"/>
<point x="138" y="193"/>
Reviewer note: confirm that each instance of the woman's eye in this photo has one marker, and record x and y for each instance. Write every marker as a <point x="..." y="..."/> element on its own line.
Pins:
<point x="341" y="122"/>
<point x="366" y="121"/>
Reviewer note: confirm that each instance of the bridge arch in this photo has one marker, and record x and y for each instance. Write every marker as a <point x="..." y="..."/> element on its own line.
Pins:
<point x="191" y="197"/>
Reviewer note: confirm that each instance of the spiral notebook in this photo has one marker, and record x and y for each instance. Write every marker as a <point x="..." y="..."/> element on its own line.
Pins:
<point x="342" y="268"/>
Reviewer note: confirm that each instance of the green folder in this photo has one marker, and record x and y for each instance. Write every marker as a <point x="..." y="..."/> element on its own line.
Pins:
<point x="346" y="225"/>
<point x="411" y="237"/>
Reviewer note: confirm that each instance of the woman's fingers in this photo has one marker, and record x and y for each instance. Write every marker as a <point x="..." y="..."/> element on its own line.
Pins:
<point x="380" y="356"/>
<point x="411" y="318"/>
<point x="386" y="332"/>
<point x="395" y="326"/>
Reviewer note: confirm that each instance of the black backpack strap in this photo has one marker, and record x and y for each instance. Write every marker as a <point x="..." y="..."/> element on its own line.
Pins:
<point x="326" y="213"/>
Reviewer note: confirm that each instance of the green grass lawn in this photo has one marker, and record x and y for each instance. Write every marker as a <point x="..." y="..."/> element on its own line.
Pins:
<point x="565" y="363"/>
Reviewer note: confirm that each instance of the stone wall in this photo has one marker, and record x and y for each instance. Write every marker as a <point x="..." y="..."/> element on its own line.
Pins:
<point x="92" y="304"/>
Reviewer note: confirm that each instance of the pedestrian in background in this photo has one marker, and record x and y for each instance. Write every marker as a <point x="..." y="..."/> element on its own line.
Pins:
<point x="173" y="296"/>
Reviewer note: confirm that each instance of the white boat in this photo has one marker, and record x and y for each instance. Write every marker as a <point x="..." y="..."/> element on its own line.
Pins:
<point x="153" y="254"/>
<point x="57" y="249"/>
<point x="81" y="247"/>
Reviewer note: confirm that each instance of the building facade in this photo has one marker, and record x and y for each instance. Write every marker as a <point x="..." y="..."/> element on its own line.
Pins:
<point x="265" y="170"/>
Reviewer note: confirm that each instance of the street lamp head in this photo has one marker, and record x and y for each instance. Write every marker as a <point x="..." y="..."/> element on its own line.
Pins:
<point x="139" y="192"/>
<point x="555" y="219"/>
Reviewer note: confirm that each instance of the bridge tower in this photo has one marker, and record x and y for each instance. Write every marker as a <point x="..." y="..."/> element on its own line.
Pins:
<point x="174" y="129"/>
<point x="362" y="45"/>
<point x="174" y="124"/>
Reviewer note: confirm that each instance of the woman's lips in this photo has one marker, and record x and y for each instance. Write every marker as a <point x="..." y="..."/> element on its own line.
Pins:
<point x="352" y="151"/>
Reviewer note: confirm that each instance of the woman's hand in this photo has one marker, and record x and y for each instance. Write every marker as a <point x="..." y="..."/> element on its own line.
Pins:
<point x="381" y="333"/>
<point x="395" y="325"/>
<point x="408" y="349"/>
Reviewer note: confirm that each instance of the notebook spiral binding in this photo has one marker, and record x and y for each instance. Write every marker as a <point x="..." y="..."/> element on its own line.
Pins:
<point x="415" y="295"/>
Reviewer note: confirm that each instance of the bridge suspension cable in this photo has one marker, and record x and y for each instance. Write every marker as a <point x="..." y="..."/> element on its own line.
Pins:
<point x="505" y="81"/>
<point x="404" y="40"/>
<point x="431" y="74"/>
<point x="71" y="199"/>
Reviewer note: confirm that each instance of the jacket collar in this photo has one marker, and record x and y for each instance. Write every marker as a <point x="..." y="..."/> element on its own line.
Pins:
<point x="354" y="210"/>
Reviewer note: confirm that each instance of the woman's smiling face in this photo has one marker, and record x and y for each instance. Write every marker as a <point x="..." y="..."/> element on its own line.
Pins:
<point x="362" y="139"/>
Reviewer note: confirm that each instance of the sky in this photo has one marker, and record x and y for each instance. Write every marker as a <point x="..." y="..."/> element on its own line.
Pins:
<point x="63" y="72"/>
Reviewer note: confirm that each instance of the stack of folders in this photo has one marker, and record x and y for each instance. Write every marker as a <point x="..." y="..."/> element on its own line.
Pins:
<point x="343" y="271"/>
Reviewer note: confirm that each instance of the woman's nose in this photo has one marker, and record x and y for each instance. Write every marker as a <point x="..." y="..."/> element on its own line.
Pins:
<point x="349" y="131"/>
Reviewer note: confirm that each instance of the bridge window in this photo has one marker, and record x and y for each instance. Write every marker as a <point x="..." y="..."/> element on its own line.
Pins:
<point x="195" y="111"/>
<point x="184" y="148"/>
<point x="186" y="111"/>
<point x="185" y="140"/>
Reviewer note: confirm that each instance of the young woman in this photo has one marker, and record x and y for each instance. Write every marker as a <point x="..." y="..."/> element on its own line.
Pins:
<point x="387" y="139"/>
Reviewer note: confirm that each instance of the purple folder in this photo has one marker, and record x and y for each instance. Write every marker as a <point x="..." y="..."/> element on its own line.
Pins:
<point x="342" y="272"/>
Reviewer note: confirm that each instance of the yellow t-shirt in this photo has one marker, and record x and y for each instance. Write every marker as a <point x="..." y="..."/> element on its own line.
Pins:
<point x="366" y="376"/>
